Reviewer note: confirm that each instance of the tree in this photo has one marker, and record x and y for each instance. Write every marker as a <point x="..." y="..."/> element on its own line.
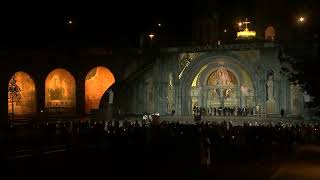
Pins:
<point x="301" y="67"/>
<point x="14" y="93"/>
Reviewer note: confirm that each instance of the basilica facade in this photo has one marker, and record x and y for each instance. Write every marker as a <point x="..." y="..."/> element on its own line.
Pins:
<point x="234" y="75"/>
<point x="175" y="79"/>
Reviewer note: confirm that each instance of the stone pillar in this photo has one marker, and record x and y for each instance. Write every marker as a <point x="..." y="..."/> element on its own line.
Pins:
<point x="241" y="97"/>
<point x="109" y="112"/>
<point x="40" y="96"/>
<point x="205" y="98"/>
<point x="80" y="95"/>
<point x="4" y="79"/>
<point x="200" y="97"/>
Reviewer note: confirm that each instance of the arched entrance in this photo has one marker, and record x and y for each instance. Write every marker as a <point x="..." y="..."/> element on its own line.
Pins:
<point x="217" y="81"/>
<point x="98" y="80"/>
<point x="60" y="91"/>
<point x="21" y="94"/>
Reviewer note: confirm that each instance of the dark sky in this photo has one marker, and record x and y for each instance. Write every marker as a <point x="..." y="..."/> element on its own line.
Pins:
<point x="118" y="23"/>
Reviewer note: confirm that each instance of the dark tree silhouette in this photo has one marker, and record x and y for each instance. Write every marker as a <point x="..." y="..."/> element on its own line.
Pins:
<point x="14" y="93"/>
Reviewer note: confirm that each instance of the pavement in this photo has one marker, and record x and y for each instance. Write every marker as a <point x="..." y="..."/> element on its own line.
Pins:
<point x="304" y="165"/>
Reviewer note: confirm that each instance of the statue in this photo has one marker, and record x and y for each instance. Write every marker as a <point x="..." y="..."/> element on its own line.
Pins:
<point x="228" y="93"/>
<point x="111" y="95"/>
<point x="270" y="87"/>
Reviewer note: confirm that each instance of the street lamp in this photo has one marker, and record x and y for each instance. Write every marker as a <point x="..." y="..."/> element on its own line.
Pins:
<point x="240" y="24"/>
<point x="301" y="19"/>
<point x="151" y="36"/>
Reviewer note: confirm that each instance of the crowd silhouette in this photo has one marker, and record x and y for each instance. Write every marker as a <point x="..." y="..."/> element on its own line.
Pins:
<point x="168" y="145"/>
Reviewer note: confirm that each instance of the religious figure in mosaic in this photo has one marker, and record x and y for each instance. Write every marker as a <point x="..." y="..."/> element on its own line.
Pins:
<point x="222" y="77"/>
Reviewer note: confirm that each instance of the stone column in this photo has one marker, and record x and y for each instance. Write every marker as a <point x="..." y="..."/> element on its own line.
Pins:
<point x="177" y="98"/>
<point x="109" y="113"/>
<point x="4" y="78"/>
<point x="80" y="95"/>
<point x="201" y="98"/>
<point x="241" y="97"/>
<point x="40" y="96"/>
<point x="205" y="97"/>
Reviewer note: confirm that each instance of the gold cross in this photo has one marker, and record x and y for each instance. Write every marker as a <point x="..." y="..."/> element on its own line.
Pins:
<point x="246" y="23"/>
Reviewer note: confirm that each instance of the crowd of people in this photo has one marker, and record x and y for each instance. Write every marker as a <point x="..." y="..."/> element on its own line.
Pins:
<point x="204" y="141"/>
<point x="138" y="146"/>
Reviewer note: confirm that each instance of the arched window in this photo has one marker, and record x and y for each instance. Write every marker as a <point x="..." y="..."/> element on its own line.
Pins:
<point x="98" y="80"/>
<point x="21" y="94"/>
<point x="60" y="95"/>
<point x="270" y="34"/>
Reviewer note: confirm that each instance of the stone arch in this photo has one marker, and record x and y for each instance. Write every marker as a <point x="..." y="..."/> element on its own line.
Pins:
<point x="98" y="81"/>
<point x="192" y="69"/>
<point x="208" y="58"/>
<point x="21" y="94"/>
<point x="60" y="91"/>
<point x="270" y="33"/>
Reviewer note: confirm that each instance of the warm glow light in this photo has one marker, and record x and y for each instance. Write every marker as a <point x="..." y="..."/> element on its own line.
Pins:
<point x="98" y="80"/>
<point x="301" y="19"/>
<point x="240" y="24"/>
<point x="225" y="30"/>
<point x="60" y="94"/>
<point x="246" y="34"/>
<point x="159" y="25"/>
<point x="151" y="36"/>
<point x="26" y="103"/>
<point x="70" y="22"/>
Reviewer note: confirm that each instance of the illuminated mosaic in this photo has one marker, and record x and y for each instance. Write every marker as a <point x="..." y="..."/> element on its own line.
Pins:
<point x="60" y="94"/>
<point x="21" y="94"/>
<point x="98" y="80"/>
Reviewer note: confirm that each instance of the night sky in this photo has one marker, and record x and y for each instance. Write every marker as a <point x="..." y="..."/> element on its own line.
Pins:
<point x="120" y="23"/>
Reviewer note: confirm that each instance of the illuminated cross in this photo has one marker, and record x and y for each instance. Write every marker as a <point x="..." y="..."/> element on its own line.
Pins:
<point x="246" y="23"/>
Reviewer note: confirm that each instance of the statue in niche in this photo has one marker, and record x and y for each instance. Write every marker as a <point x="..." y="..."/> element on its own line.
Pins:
<point x="111" y="96"/>
<point x="270" y="86"/>
<point x="219" y="92"/>
<point x="227" y="93"/>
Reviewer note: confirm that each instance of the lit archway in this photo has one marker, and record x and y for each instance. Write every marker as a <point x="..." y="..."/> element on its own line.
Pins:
<point x="21" y="94"/>
<point x="60" y="91"/>
<point x="98" y="80"/>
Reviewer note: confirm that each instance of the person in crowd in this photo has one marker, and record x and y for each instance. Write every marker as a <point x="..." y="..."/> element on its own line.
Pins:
<point x="282" y="112"/>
